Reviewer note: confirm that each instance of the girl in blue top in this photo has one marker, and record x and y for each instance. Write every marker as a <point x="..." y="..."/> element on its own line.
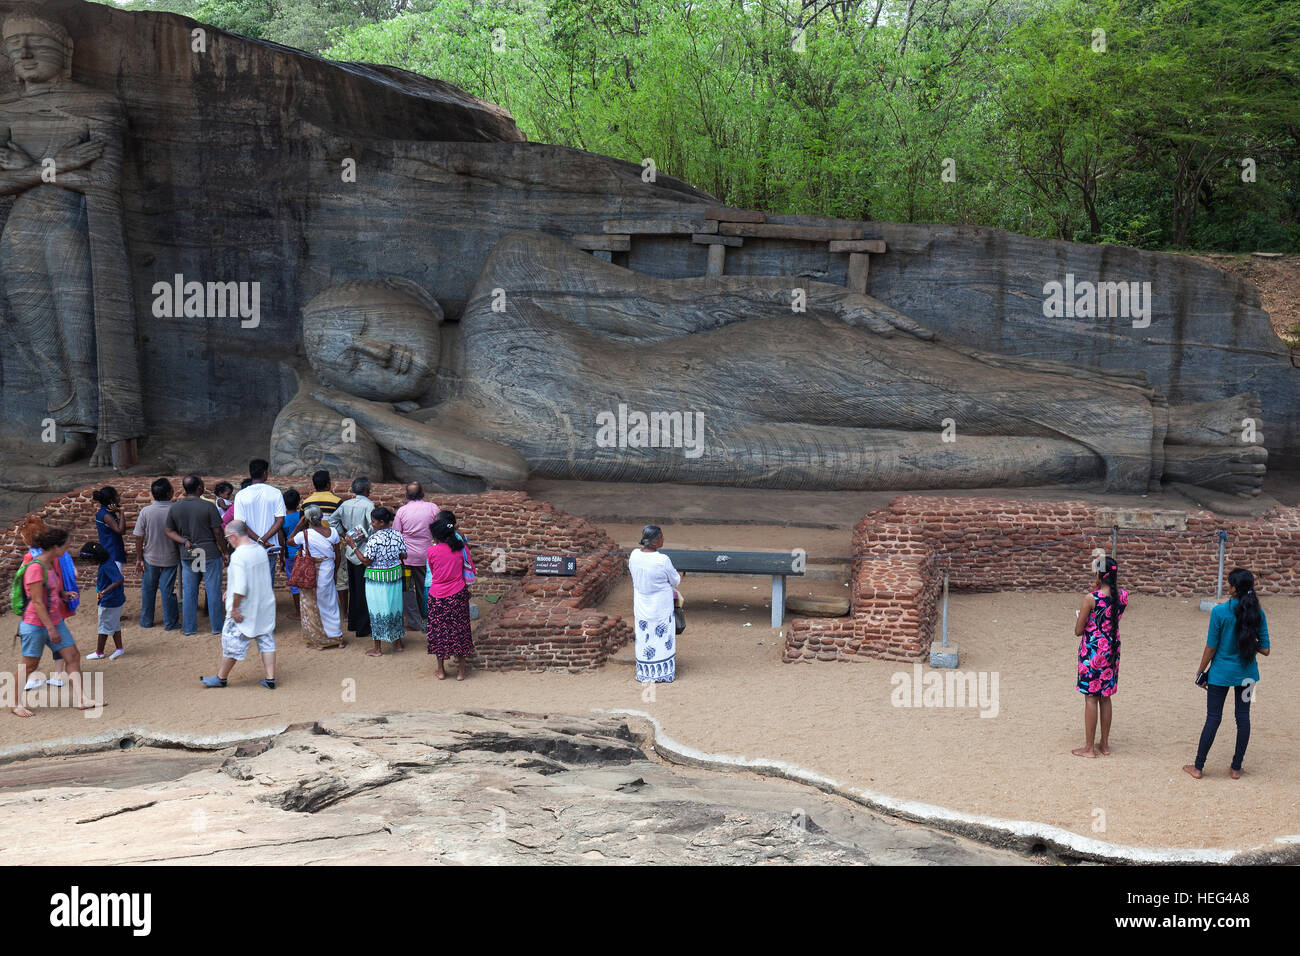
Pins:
<point x="1238" y="632"/>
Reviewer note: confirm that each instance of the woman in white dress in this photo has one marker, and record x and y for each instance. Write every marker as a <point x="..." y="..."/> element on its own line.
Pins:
<point x="321" y="627"/>
<point x="653" y="580"/>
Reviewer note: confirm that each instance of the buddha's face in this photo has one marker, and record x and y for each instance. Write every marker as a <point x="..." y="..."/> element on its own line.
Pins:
<point x="36" y="53"/>
<point x="384" y="348"/>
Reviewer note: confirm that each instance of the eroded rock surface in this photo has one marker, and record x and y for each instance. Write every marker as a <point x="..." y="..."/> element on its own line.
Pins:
<point x="448" y="788"/>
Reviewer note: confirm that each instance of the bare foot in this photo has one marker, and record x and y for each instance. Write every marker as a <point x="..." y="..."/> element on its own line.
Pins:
<point x="91" y="705"/>
<point x="1104" y="748"/>
<point x="1192" y="771"/>
<point x="75" y="446"/>
<point x="1234" y="774"/>
<point x="1084" y="752"/>
<point x="374" y="653"/>
<point x="440" y="674"/>
<point x="399" y="646"/>
<point x="102" y="456"/>
<point x="21" y="711"/>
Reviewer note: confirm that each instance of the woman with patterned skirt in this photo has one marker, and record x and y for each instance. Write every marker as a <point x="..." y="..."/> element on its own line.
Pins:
<point x="653" y="580"/>
<point x="448" y="628"/>
<point x="382" y="555"/>
<point x="319" y="606"/>
<point x="1097" y="623"/>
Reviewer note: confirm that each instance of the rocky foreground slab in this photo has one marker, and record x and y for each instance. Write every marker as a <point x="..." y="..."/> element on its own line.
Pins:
<point x="439" y="788"/>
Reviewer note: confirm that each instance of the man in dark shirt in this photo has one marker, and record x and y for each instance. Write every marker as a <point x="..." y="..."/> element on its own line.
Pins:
<point x="195" y="524"/>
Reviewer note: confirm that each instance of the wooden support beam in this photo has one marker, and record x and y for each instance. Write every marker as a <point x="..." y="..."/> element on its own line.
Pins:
<point x="859" y="270"/>
<point x="593" y="242"/>
<point x="725" y="214"/>
<point x="858" y="245"/>
<point x="659" y="227"/>
<point x="704" y="239"/>
<point x="717" y="257"/>
<point x="770" y="231"/>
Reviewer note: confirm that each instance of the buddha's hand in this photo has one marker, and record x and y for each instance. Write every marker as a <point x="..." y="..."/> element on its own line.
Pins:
<point x="884" y="321"/>
<point x="14" y="157"/>
<point x="77" y="154"/>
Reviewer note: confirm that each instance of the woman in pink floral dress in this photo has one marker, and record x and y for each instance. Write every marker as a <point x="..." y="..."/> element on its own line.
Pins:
<point x="1097" y="624"/>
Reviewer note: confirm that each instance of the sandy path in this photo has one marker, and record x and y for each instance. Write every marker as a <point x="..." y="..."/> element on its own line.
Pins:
<point x="733" y="695"/>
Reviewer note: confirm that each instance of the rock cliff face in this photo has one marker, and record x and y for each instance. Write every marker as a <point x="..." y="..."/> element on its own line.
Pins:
<point x="436" y="788"/>
<point x="238" y="168"/>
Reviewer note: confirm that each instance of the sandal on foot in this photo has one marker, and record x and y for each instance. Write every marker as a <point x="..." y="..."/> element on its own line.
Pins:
<point x="268" y="683"/>
<point x="213" y="681"/>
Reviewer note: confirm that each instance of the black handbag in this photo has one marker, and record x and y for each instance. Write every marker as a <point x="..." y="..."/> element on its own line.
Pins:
<point x="679" y="620"/>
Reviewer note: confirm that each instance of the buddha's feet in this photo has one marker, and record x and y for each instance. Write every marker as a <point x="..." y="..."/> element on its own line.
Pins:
<point x="1217" y="445"/>
<point x="102" y="456"/>
<point x="76" y="446"/>
<point x="1232" y="421"/>
<point x="1235" y="470"/>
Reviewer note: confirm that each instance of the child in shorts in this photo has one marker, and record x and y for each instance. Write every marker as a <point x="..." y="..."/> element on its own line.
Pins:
<point x="111" y="588"/>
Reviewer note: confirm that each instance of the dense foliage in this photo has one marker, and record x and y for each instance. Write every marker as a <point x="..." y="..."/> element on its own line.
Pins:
<point x="1156" y="123"/>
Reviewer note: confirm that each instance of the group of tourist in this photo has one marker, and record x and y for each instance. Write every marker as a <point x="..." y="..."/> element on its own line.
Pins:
<point x="384" y="572"/>
<point x="1238" y="634"/>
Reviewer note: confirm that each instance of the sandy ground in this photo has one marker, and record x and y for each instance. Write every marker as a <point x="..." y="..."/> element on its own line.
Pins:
<point x="733" y="695"/>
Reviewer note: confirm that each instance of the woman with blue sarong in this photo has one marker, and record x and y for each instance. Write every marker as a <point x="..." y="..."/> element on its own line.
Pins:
<point x="383" y="555"/>
<point x="653" y="581"/>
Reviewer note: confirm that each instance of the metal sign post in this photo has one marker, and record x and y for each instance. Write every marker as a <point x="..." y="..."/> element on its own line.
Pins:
<point x="946" y="655"/>
<point x="1222" y="537"/>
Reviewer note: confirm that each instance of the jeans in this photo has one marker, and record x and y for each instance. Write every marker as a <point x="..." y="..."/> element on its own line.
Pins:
<point x="1215" y="697"/>
<point x="190" y="595"/>
<point x="156" y="578"/>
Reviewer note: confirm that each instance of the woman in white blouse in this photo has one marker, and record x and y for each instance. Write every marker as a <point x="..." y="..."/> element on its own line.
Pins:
<point x="653" y="580"/>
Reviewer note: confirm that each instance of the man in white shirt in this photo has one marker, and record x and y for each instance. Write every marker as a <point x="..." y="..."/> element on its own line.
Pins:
<point x="250" y="607"/>
<point x="261" y="507"/>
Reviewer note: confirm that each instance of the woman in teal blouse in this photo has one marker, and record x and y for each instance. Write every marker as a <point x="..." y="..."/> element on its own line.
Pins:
<point x="1238" y="632"/>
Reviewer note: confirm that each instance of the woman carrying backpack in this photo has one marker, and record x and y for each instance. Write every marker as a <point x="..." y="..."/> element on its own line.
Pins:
<point x="32" y="527"/>
<point x="42" y="622"/>
<point x="1238" y="632"/>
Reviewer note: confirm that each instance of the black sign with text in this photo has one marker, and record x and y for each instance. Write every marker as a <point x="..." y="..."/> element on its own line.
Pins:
<point x="555" y="564"/>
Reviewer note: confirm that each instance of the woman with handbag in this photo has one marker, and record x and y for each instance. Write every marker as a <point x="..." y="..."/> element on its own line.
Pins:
<point x="382" y="556"/>
<point x="653" y="608"/>
<point x="313" y="576"/>
<point x="1238" y="633"/>
<point x="448" y="625"/>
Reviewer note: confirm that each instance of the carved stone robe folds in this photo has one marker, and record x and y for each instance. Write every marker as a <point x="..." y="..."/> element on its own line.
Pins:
<point x="64" y="267"/>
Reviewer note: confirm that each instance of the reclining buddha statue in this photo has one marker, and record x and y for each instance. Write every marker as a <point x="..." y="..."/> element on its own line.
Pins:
<point x="846" y="393"/>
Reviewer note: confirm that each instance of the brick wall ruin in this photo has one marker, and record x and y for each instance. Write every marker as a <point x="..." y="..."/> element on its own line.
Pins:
<point x="992" y="544"/>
